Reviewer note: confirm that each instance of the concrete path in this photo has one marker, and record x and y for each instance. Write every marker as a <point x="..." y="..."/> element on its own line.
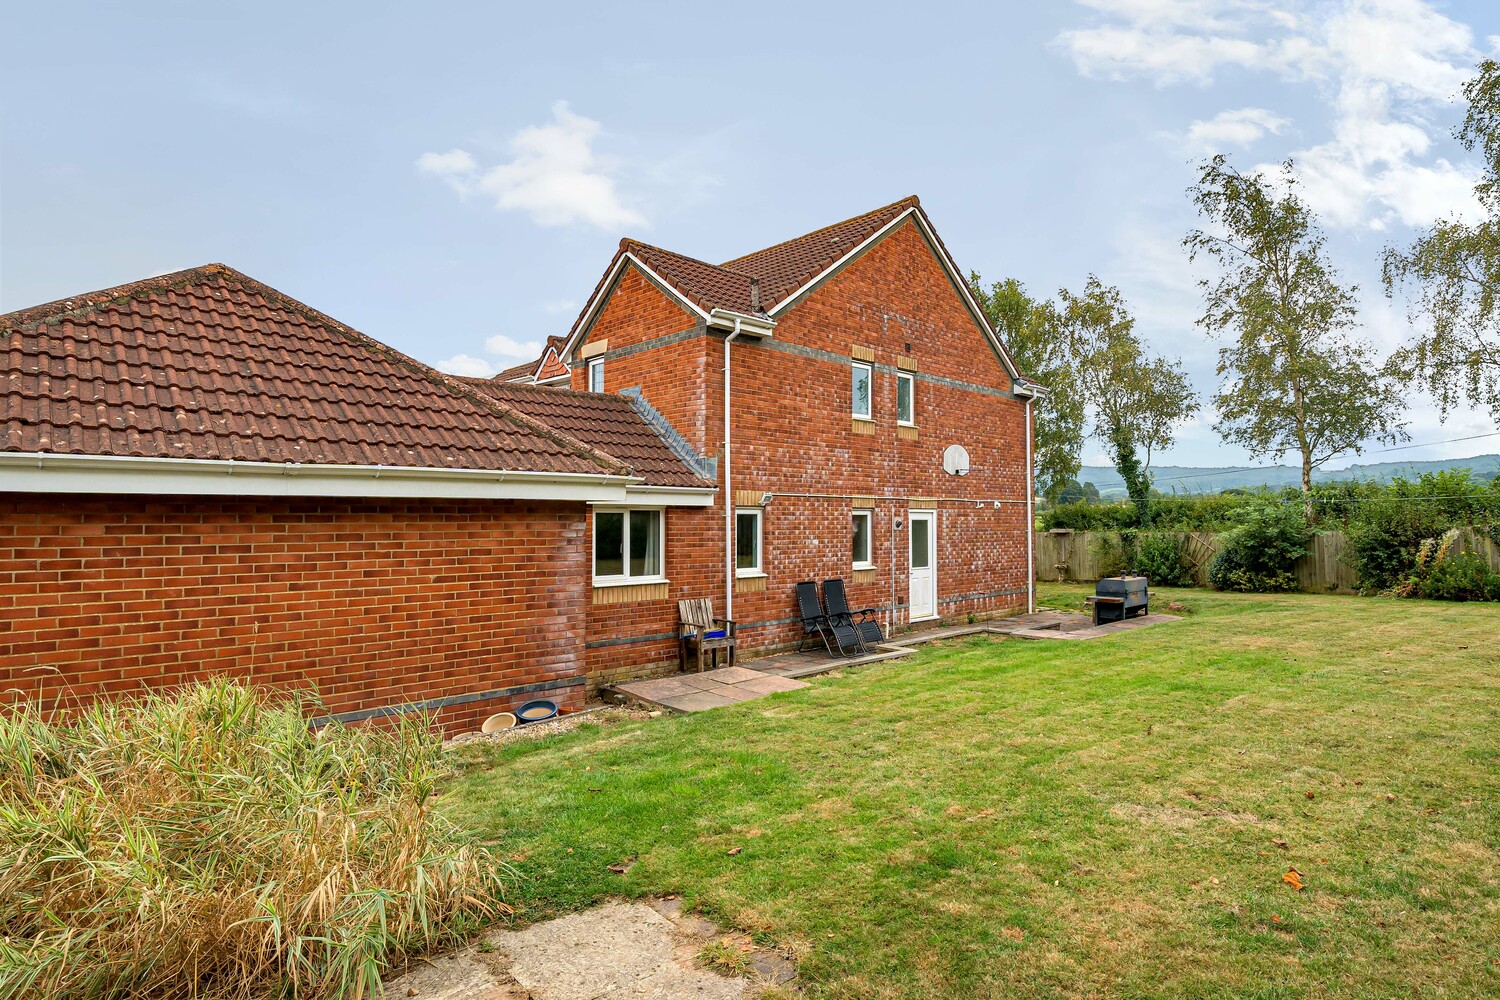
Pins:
<point x="710" y="689"/>
<point x="619" y="951"/>
<point x="779" y="671"/>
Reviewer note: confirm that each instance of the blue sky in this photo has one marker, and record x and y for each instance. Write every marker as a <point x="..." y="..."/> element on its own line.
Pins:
<point x="453" y="178"/>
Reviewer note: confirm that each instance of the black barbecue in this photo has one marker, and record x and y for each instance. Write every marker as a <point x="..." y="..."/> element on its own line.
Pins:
<point x="1117" y="598"/>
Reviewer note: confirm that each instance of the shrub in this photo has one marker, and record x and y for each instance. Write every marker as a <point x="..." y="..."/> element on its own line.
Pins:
<point x="1386" y="528"/>
<point x="1258" y="553"/>
<point x="1113" y="552"/>
<point x="1090" y="517"/>
<point x="1462" y="576"/>
<point x="1162" y="557"/>
<point x="207" y="844"/>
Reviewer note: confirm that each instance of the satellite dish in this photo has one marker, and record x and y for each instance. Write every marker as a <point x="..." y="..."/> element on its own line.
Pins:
<point x="956" y="460"/>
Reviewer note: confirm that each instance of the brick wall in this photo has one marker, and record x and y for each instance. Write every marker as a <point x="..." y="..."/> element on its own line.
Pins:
<point x="794" y="435"/>
<point x="374" y="603"/>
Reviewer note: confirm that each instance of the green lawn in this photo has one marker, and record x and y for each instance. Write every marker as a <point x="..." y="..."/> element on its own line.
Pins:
<point x="1007" y="818"/>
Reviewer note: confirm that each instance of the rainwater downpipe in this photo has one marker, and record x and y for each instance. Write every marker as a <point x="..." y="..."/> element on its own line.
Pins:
<point x="728" y="492"/>
<point x="1030" y="518"/>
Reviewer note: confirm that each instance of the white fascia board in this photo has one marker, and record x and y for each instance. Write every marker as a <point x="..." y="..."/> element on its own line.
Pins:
<point x="954" y="274"/>
<point x="45" y="472"/>
<point x="816" y="279"/>
<point x="748" y="324"/>
<point x="671" y="496"/>
<point x="614" y="273"/>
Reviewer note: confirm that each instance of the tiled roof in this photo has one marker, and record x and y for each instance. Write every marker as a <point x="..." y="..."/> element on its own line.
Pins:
<point x="707" y="285"/>
<point x="210" y="364"/>
<point x="537" y="367"/>
<point x="786" y="267"/>
<point x="779" y="270"/>
<point x="607" y="422"/>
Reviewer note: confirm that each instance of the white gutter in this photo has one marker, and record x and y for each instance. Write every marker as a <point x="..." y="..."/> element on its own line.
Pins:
<point x="47" y="472"/>
<point x="746" y="324"/>
<point x="728" y="493"/>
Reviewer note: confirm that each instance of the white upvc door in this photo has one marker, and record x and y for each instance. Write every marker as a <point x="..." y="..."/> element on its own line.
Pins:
<point x="923" y="572"/>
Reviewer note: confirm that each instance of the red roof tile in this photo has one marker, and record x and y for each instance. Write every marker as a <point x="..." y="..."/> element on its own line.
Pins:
<point x="607" y="422"/>
<point x="786" y="267"/>
<point x="210" y="364"/>
<point x="779" y="270"/>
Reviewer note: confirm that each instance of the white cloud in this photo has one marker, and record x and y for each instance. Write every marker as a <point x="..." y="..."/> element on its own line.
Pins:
<point x="1240" y="127"/>
<point x="464" y="364"/>
<point x="508" y="347"/>
<point x="555" y="176"/>
<point x="1384" y="66"/>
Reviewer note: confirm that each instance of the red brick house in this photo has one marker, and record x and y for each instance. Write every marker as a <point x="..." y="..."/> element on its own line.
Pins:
<point x="823" y="381"/>
<point x="200" y="474"/>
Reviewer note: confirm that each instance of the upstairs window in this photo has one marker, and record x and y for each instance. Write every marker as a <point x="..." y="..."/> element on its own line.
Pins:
<point x="863" y="523"/>
<point x="596" y="375"/>
<point x="748" y="544"/>
<point x="863" y="377"/>
<point x="627" y="546"/>
<point x="906" y="399"/>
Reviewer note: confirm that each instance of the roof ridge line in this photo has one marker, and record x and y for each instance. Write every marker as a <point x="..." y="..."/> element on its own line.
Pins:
<point x="92" y="301"/>
<point x="628" y="242"/>
<point x="910" y="201"/>
<point x="72" y="305"/>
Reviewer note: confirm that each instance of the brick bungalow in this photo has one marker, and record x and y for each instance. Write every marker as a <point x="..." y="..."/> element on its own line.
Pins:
<point x="200" y="474"/>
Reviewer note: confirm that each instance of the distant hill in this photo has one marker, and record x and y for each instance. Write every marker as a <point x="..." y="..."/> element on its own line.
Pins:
<point x="1187" y="479"/>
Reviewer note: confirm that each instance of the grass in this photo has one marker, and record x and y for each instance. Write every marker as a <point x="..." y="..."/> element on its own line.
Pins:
<point x="207" y="845"/>
<point x="1065" y="819"/>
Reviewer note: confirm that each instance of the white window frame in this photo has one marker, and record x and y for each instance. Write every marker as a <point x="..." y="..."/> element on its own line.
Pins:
<point x="596" y="365"/>
<point x="910" y="380"/>
<point x="869" y="516"/>
<point x="625" y="579"/>
<point x="759" y="569"/>
<point x="869" y="413"/>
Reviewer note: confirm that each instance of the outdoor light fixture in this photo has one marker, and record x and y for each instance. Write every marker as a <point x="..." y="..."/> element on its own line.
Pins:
<point x="765" y="499"/>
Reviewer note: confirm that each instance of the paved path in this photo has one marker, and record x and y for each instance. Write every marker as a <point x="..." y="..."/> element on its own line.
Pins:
<point x="618" y="951"/>
<point x="779" y="672"/>
<point x="710" y="689"/>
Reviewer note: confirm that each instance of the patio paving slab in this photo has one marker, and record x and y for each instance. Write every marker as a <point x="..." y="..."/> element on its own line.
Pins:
<point x="779" y="672"/>
<point x="710" y="689"/>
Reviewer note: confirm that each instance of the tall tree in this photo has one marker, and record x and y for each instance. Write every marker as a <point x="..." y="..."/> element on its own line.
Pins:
<point x="1136" y="399"/>
<point x="1454" y="268"/>
<point x="1028" y="327"/>
<point x="1292" y="377"/>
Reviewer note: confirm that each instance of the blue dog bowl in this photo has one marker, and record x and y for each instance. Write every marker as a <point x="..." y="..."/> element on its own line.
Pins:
<point x="536" y="711"/>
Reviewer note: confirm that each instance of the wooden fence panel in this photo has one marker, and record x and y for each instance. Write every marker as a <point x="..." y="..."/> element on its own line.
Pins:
<point x="1069" y="556"/>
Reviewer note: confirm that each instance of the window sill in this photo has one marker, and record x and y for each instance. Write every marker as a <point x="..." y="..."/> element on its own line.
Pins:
<point x="749" y="574"/>
<point x="906" y="423"/>
<point x="867" y="420"/>
<point x="864" y="565"/>
<point x="628" y="581"/>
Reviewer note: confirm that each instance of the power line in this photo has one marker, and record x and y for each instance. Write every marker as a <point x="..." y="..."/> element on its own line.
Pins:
<point x="1293" y="468"/>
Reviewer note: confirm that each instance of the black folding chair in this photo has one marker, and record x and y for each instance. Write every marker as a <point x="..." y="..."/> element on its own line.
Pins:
<point x="863" y="621"/>
<point x="816" y="624"/>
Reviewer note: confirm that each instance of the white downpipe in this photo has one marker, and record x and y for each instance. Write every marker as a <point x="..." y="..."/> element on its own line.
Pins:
<point x="728" y="492"/>
<point x="1030" y="519"/>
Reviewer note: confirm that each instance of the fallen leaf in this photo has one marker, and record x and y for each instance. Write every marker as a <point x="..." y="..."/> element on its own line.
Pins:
<point x="1275" y="918"/>
<point x="735" y="850"/>
<point x="1293" y="878"/>
<point x="596" y="789"/>
<point x="1280" y="843"/>
<point x="1389" y="797"/>
<point x="1312" y="795"/>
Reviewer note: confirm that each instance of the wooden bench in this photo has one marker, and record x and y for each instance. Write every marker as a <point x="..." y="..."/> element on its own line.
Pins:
<point x="705" y="633"/>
